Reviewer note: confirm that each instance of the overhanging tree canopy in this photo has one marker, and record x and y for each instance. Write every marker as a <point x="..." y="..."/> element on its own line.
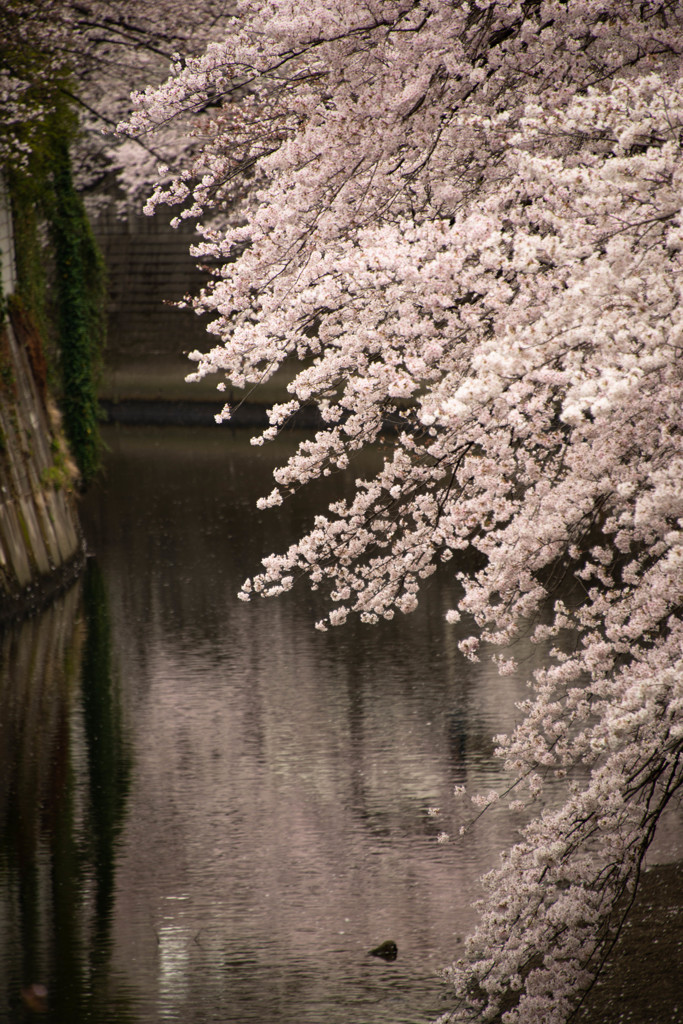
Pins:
<point x="90" y="54"/>
<point x="465" y="218"/>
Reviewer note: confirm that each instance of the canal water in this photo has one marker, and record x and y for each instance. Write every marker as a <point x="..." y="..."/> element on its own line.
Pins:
<point x="211" y="812"/>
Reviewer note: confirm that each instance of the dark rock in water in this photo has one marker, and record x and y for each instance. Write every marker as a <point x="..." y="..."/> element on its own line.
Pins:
<point x="387" y="951"/>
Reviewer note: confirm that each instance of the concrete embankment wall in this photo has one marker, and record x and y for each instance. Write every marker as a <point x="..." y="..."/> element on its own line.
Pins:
<point x="41" y="547"/>
<point x="149" y="266"/>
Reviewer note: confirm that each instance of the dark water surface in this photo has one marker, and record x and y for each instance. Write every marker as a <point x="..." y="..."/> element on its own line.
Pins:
<point x="210" y="812"/>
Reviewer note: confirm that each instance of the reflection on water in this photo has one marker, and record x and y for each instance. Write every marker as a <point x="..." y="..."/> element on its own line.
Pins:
<point x="63" y="789"/>
<point x="210" y="811"/>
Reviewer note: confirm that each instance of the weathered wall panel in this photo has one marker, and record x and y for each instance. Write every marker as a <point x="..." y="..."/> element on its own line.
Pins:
<point x="7" y="262"/>
<point x="41" y="548"/>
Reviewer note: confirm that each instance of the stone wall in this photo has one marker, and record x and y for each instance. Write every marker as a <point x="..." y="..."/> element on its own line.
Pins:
<point x="41" y="547"/>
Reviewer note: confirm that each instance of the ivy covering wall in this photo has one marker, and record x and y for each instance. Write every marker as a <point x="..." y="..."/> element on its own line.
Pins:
<point x="60" y="271"/>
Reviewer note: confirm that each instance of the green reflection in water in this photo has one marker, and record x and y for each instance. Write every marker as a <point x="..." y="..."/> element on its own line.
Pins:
<point x="109" y="762"/>
<point x="65" y="771"/>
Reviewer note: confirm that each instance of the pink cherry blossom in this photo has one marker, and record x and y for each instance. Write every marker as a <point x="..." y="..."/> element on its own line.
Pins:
<point x="464" y="221"/>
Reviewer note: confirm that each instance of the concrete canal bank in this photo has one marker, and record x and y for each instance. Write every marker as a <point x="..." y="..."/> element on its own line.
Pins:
<point x="41" y="547"/>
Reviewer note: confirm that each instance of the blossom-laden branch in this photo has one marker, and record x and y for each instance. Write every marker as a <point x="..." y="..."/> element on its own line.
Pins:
<point x="465" y="220"/>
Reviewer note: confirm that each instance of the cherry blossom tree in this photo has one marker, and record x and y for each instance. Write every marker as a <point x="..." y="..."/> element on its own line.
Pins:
<point x="464" y="220"/>
<point x="90" y="54"/>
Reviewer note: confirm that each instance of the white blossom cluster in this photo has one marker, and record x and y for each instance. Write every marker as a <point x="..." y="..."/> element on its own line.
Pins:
<point x="464" y="219"/>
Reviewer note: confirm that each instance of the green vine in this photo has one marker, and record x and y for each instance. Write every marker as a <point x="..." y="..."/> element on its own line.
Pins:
<point x="80" y="283"/>
<point x="66" y="301"/>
